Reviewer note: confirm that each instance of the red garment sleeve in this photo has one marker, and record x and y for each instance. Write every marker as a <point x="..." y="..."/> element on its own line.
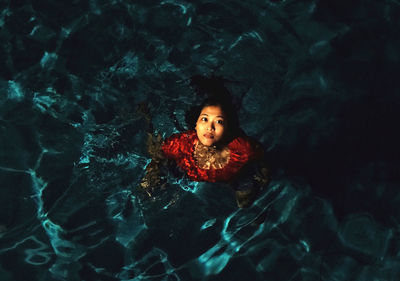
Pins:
<point x="171" y="146"/>
<point x="247" y="149"/>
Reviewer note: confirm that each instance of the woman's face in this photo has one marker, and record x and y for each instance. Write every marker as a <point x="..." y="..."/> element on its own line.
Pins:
<point x="210" y="125"/>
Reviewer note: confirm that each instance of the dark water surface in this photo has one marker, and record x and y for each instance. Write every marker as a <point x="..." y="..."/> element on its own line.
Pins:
<point x="318" y="86"/>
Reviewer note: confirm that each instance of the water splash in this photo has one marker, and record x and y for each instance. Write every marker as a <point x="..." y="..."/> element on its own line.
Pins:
<point x="15" y="91"/>
<point x="208" y="223"/>
<point x="129" y="223"/>
<point x="214" y="260"/>
<point x="153" y="266"/>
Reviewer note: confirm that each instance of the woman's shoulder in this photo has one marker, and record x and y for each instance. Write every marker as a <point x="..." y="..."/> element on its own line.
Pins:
<point x="242" y="141"/>
<point x="246" y="145"/>
<point x="178" y="143"/>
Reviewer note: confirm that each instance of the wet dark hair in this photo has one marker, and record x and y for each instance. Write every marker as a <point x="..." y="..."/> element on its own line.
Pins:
<point x="214" y="93"/>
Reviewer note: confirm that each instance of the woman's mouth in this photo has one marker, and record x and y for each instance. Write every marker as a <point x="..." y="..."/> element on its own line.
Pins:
<point x="208" y="136"/>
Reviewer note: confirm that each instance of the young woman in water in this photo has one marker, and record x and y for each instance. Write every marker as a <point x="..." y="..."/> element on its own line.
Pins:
<point x="214" y="150"/>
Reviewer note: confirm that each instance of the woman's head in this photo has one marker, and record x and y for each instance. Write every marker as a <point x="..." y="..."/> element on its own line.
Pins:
<point x="217" y="108"/>
<point x="210" y="125"/>
<point x="215" y="121"/>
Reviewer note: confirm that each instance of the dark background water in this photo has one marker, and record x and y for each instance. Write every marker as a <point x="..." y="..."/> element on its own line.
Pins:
<point x="318" y="86"/>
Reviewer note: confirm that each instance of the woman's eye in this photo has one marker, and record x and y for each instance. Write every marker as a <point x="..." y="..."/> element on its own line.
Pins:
<point x="220" y="122"/>
<point x="204" y="119"/>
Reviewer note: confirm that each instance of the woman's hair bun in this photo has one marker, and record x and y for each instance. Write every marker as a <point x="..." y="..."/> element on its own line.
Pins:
<point x="210" y="87"/>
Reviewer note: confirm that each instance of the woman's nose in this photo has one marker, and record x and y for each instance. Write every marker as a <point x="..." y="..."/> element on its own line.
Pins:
<point x="210" y="128"/>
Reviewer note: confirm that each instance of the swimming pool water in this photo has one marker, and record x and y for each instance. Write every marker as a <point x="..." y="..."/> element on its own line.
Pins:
<point x="316" y="82"/>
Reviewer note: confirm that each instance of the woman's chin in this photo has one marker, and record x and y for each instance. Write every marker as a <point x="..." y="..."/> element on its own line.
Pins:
<point x="207" y="142"/>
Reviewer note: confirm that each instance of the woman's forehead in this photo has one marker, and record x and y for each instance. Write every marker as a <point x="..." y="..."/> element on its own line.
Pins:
<point x="213" y="110"/>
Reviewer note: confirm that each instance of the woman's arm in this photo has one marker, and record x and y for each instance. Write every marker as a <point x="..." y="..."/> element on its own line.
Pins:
<point x="152" y="178"/>
<point x="253" y="179"/>
<point x="262" y="176"/>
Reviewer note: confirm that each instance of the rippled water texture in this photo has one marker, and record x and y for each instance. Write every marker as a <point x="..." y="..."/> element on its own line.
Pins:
<point x="317" y="82"/>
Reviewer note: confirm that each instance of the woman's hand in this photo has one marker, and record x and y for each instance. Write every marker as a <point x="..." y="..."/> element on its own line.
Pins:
<point x="244" y="198"/>
<point x="262" y="175"/>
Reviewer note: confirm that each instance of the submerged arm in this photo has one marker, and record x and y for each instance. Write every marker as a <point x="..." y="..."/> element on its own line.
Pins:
<point x="152" y="178"/>
<point x="255" y="177"/>
<point x="262" y="176"/>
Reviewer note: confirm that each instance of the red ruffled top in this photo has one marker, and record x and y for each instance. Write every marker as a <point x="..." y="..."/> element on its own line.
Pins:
<point x="180" y="147"/>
